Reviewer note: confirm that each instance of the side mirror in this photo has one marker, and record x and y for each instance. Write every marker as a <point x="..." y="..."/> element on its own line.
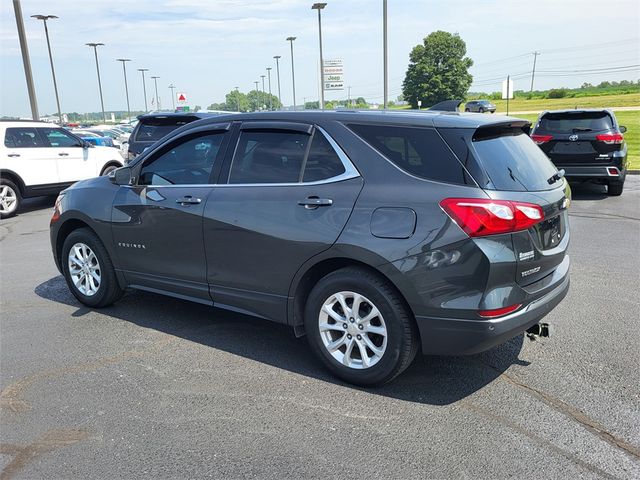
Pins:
<point x="86" y="144"/>
<point x="623" y="129"/>
<point x="121" y="176"/>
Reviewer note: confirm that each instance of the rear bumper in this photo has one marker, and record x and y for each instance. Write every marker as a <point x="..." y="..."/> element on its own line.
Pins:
<point x="447" y="336"/>
<point x="587" y="172"/>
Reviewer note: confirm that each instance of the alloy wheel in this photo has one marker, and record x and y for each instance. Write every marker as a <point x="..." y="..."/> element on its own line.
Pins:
<point x="84" y="269"/>
<point x="8" y="200"/>
<point x="352" y="330"/>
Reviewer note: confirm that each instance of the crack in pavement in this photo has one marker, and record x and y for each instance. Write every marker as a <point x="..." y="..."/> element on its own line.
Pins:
<point x="47" y="442"/>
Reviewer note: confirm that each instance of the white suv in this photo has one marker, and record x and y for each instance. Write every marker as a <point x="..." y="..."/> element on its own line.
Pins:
<point x="41" y="159"/>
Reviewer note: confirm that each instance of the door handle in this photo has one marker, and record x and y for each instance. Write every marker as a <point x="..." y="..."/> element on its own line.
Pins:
<point x="13" y="155"/>
<point x="62" y="154"/>
<point x="315" y="202"/>
<point x="189" y="200"/>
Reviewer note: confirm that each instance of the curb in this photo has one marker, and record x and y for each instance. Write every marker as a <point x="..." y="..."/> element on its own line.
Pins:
<point x="633" y="172"/>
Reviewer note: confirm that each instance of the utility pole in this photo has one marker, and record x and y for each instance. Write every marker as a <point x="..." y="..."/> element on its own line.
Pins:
<point x="24" y="48"/>
<point x="269" y="76"/>
<point x="257" y="96"/>
<point x="126" y="87"/>
<point x="144" y="87"/>
<point x="44" y="19"/>
<point x="155" y="80"/>
<point x="277" y="57"/>
<point x="238" y="97"/>
<point x="384" y="53"/>
<point x="349" y="96"/>
<point x="320" y="7"/>
<point x="293" y="73"/>
<point x="533" y="72"/>
<point x="95" y="51"/>
<point x="264" y="104"/>
<point x="173" y="96"/>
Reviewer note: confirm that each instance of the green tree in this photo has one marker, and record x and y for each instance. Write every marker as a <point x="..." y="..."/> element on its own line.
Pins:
<point x="260" y="101"/>
<point x="438" y="70"/>
<point x="236" y="101"/>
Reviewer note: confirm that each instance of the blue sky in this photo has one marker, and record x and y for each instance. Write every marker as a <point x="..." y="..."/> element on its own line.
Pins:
<point x="208" y="47"/>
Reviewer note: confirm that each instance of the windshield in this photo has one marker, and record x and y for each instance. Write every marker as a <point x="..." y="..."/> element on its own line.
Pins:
<point x="571" y="122"/>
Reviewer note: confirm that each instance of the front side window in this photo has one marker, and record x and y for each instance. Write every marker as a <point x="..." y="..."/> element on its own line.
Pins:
<point x="190" y="162"/>
<point x="21" y="138"/>
<point x="268" y="157"/>
<point x="419" y="151"/>
<point x="56" y="137"/>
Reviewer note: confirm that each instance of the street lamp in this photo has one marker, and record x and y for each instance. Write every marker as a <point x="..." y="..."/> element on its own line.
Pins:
<point x="95" y="51"/>
<point x="293" y="73"/>
<point x="155" y="81"/>
<point x="126" y="87"/>
<point x="257" y="96"/>
<point x="277" y="57"/>
<point x="44" y="19"/>
<point x="173" y="96"/>
<point x="269" y="76"/>
<point x="320" y="7"/>
<point x="144" y="87"/>
<point x="384" y="55"/>
<point x="264" y="104"/>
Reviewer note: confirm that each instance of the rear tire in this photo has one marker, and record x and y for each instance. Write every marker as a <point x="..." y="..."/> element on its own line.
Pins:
<point x="10" y="198"/>
<point x="88" y="270"/>
<point x="614" y="189"/>
<point x="467" y="110"/>
<point x="381" y="328"/>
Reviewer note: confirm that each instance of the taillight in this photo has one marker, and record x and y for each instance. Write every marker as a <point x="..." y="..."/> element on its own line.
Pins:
<point x="540" y="139"/>
<point x="499" y="312"/>
<point x="610" y="138"/>
<point x="480" y="217"/>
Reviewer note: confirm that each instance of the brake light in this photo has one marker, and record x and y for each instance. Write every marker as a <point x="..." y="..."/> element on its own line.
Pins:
<point x="481" y="217"/>
<point x="499" y="312"/>
<point x="610" y="138"/>
<point x="540" y="139"/>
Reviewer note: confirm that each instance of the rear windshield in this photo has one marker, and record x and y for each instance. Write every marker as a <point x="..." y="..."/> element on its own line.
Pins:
<point x="152" y="129"/>
<point x="572" y="122"/>
<point x="512" y="161"/>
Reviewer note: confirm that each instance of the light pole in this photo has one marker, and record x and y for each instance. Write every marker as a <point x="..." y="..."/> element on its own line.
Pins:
<point x="126" y="87"/>
<point x="257" y="96"/>
<point x="173" y="96"/>
<point x="293" y="73"/>
<point x="277" y="57"/>
<point x="384" y="54"/>
<point x="264" y="104"/>
<point x="238" y="97"/>
<point x="144" y="87"/>
<point x="269" y="77"/>
<point x="155" y="81"/>
<point x="95" y="51"/>
<point x="44" y="19"/>
<point x="26" y="63"/>
<point x="320" y="7"/>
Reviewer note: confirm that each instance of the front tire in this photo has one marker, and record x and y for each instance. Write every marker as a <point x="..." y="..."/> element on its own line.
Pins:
<point x="481" y="110"/>
<point x="358" y="325"/>
<point x="10" y="198"/>
<point x="108" y="169"/>
<point x="88" y="269"/>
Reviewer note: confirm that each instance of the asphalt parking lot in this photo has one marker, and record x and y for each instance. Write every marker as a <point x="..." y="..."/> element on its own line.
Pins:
<point x="154" y="387"/>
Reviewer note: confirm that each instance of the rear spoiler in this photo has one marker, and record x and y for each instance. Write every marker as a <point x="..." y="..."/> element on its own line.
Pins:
<point x="499" y="129"/>
<point x="447" y="106"/>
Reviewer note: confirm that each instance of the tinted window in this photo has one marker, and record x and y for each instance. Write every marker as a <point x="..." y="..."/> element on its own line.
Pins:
<point x="323" y="161"/>
<point x="571" y="122"/>
<point x="419" y="151"/>
<point x="190" y="162"/>
<point x="268" y="157"/>
<point x="56" y="137"/>
<point x="151" y="133"/>
<point x="512" y="161"/>
<point x="21" y="138"/>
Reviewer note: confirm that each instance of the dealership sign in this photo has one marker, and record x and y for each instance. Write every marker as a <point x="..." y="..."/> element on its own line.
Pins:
<point x="333" y="75"/>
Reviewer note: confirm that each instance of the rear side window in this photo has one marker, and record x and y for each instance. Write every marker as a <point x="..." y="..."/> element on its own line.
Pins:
<point x="323" y="161"/>
<point x="572" y="122"/>
<point x="511" y="160"/>
<point x="21" y="138"/>
<point x="418" y="151"/>
<point x="268" y="157"/>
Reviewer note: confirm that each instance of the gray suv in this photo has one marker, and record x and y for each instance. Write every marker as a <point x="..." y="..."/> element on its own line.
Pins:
<point x="376" y="234"/>
<point x="480" y="106"/>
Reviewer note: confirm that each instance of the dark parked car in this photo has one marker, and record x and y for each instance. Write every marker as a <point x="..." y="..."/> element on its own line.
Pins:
<point x="376" y="234"/>
<point x="151" y="127"/>
<point x="480" y="106"/>
<point x="586" y="144"/>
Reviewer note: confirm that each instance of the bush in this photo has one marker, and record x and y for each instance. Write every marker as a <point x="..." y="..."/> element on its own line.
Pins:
<point x="557" y="93"/>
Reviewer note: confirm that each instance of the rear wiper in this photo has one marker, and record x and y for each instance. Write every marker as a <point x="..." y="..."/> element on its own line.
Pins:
<point x="582" y="130"/>
<point x="556" y="176"/>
